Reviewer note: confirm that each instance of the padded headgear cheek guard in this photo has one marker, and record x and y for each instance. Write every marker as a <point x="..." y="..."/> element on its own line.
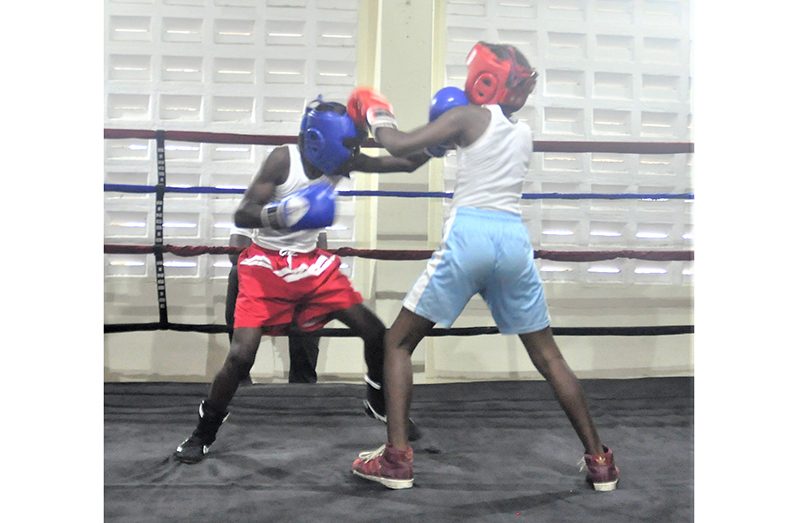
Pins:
<point x="491" y="80"/>
<point x="329" y="139"/>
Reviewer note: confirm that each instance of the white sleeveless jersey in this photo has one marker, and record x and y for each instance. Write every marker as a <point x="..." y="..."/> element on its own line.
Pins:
<point x="241" y="232"/>
<point x="296" y="241"/>
<point x="490" y="171"/>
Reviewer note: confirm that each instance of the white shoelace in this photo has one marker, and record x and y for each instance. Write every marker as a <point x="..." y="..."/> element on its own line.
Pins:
<point x="368" y="455"/>
<point x="289" y="254"/>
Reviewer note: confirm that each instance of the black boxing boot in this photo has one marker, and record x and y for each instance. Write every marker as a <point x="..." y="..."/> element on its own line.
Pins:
<point x="195" y="447"/>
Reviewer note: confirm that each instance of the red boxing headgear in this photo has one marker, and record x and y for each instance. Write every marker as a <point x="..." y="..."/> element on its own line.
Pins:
<point x="492" y="80"/>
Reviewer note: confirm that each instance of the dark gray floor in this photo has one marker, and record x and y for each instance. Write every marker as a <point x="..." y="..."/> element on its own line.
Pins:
<point x="492" y="451"/>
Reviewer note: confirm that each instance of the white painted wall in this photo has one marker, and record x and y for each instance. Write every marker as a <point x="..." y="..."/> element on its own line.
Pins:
<point x="611" y="70"/>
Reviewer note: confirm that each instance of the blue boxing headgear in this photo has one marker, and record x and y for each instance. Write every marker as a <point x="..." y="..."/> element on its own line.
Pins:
<point x="329" y="138"/>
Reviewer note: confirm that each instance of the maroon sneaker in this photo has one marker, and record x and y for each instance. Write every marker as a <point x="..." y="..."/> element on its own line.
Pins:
<point x="601" y="470"/>
<point x="387" y="465"/>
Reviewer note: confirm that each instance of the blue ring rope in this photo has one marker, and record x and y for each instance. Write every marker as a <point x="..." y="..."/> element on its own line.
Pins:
<point x="125" y="188"/>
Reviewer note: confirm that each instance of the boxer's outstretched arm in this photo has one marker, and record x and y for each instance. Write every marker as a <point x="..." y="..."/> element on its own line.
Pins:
<point x="389" y="164"/>
<point x="368" y="108"/>
<point x="450" y="127"/>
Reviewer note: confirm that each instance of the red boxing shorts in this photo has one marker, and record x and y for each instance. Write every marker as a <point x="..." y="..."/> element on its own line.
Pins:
<point x="276" y="290"/>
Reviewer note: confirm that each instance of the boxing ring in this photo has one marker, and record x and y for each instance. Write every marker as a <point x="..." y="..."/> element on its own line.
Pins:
<point x="491" y="451"/>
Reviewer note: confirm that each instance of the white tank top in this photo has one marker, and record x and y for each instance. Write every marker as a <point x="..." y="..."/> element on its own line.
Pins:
<point x="491" y="171"/>
<point x="297" y="241"/>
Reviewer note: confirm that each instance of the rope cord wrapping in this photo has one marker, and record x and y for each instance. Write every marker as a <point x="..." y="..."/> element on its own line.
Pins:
<point x="160" y="273"/>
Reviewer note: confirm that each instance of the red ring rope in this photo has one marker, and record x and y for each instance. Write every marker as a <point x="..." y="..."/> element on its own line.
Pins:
<point x="397" y="254"/>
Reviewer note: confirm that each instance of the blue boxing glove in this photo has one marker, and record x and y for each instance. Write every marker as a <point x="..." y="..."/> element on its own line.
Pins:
<point x="310" y="208"/>
<point x="445" y="99"/>
<point x="436" y="151"/>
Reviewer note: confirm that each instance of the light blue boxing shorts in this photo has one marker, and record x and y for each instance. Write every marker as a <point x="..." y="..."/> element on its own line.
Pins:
<point x="486" y="252"/>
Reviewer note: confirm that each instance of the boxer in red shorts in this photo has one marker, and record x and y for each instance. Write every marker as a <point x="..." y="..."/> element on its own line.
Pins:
<point x="285" y="281"/>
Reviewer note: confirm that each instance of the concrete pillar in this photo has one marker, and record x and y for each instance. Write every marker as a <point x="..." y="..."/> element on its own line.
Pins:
<point x="405" y="77"/>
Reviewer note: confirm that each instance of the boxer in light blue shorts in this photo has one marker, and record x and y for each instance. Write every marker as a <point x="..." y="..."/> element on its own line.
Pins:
<point x="485" y="249"/>
<point x="486" y="252"/>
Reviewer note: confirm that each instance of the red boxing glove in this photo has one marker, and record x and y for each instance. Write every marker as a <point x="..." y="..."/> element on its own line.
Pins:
<point x="367" y="106"/>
